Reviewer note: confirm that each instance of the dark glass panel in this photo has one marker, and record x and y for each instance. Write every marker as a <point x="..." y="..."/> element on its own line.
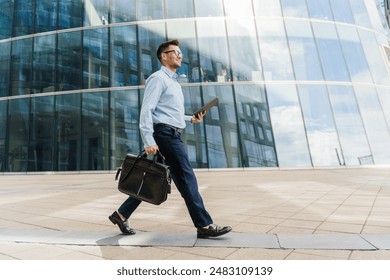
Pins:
<point x="70" y="14"/>
<point x="40" y="152"/>
<point x="3" y="132"/>
<point x="253" y="116"/>
<point x="21" y="66"/>
<point x="23" y="17"/>
<point x="150" y="9"/>
<point x="95" y="12"/>
<point x="68" y="132"/>
<point x="122" y="10"/>
<point x="44" y="64"/>
<point x="124" y="56"/>
<point x="69" y="61"/>
<point x="5" y="59"/>
<point x="18" y="129"/>
<point x="180" y="9"/>
<point x="6" y="18"/>
<point x="95" y="127"/>
<point x="125" y="137"/>
<point x="45" y="15"/>
<point x="95" y="58"/>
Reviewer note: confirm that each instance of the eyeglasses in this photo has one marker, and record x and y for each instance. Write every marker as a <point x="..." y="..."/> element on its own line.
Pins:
<point x="177" y="53"/>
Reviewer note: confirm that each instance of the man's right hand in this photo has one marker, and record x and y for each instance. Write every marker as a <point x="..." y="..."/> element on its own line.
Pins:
<point x="151" y="150"/>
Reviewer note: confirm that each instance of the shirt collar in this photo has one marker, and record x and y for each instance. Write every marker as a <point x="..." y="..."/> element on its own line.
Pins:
<point x="170" y="73"/>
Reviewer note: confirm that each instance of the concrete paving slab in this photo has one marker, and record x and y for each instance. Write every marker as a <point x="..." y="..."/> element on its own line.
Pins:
<point x="380" y="241"/>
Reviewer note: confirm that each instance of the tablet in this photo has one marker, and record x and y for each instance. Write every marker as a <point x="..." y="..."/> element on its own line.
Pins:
<point x="207" y="107"/>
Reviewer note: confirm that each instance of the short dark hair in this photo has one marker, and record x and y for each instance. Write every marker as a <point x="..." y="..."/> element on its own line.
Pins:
<point x="164" y="46"/>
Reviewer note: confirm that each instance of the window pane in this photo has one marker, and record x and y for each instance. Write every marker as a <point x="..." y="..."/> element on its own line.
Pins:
<point x="342" y="11"/>
<point x="287" y="125"/>
<point x="150" y="9"/>
<point x="242" y="8"/>
<point x="68" y="132"/>
<point x="319" y="124"/>
<point x="150" y="37"/>
<point x="40" y="153"/>
<point x="125" y="136"/>
<point x="3" y="130"/>
<point x="384" y="98"/>
<point x="267" y="8"/>
<point x="179" y="9"/>
<point x="95" y="123"/>
<point x="18" y="126"/>
<point x="294" y="8"/>
<point x="69" y="61"/>
<point x="208" y="8"/>
<point x="95" y="12"/>
<point x="95" y="58"/>
<point x="122" y="10"/>
<point x="360" y="13"/>
<point x="189" y="70"/>
<point x="320" y="9"/>
<point x="45" y="15"/>
<point x="349" y="125"/>
<point x="244" y="50"/>
<point x="21" y="66"/>
<point x="23" y="18"/>
<point x="5" y="59"/>
<point x="6" y="18"/>
<point x="303" y="51"/>
<point x="274" y="50"/>
<point x="70" y="14"/>
<point x="254" y="149"/>
<point x="44" y="64"/>
<point x="332" y="59"/>
<point x="124" y="64"/>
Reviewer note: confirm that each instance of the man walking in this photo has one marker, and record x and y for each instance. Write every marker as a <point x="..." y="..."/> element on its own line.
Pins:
<point x="162" y="121"/>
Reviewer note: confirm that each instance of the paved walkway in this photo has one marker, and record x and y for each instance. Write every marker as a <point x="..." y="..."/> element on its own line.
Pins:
<point x="277" y="214"/>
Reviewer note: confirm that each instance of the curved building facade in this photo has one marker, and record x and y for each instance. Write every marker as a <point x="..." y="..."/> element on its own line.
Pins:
<point x="301" y="83"/>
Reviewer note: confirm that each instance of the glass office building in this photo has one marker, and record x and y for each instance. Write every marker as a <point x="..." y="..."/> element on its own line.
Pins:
<point x="301" y="83"/>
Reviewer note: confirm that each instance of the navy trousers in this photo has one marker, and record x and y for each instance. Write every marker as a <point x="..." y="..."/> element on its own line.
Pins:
<point x="170" y="145"/>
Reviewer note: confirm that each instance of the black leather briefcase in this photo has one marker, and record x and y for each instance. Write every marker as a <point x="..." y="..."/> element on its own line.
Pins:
<point x="145" y="179"/>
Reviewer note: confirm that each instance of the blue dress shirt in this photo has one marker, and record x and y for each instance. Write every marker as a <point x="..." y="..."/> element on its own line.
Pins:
<point x="163" y="103"/>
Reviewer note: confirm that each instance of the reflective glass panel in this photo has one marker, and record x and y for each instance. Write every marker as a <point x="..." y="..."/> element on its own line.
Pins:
<point x="354" y="54"/>
<point x="69" y="61"/>
<point x="150" y="9"/>
<point x="21" y="66"/>
<point x="122" y="10"/>
<point x="180" y="8"/>
<point x="6" y="18"/>
<point x="45" y="15"/>
<point x="150" y="37"/>
<point x="40" y="152"/>
<point x="374" y="123"/>
<point x="23" y="17"/>
<point x="242" y="8"/>
<point x="244" y="50"/>
<point x="294" y="8"/>
<point x="213" y="52"/>
<point x="5" y="59"/>
<point x="125" y="137"/>
<point x="377" y="18"/>
<point x="349" y="125"/>
<point x="3" y="130"/>
<point x="18" y="129"/>
<point x="44" y="64"/>
<point x="360" y="13"/>
<point x="319" y="123"/>
<point x="288" y="127"/>
<point x="303" y="50"/>
<point x="267" y="8"/>
<point x="68" y="132"/>
<point x="320" y="9"/>
<point x="70" y="14"/>
<point x="95" y="127"/>
<point x="384" y="98"/>
<point x="95" y="58"/>
<point x="189" y="70"/>
<point x="331" y="55"/>
<point x="95" y="12"/>
<point x="208" y="8"/>
<point x="124" y="56"/>
<point x="274" y="50"/>
<point x="342" y="11"/>
<point x="253" y="116"/>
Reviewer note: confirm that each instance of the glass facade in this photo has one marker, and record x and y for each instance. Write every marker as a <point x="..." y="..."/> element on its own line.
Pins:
<point x="301" y="83"/>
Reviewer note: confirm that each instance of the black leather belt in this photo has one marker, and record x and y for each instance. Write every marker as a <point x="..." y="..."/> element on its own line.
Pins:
<point x="170" y="126"/>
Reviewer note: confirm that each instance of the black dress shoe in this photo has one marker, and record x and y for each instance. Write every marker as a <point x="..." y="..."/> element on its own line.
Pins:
<point x="213" y="231"/>
<point x="123" y="225"/>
